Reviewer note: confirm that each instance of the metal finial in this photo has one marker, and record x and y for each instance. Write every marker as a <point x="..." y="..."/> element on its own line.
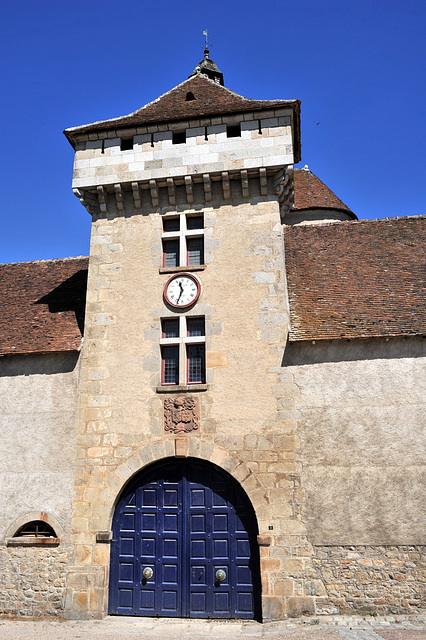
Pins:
<point x="205" y="33"/>
<point x="206" y="44"/>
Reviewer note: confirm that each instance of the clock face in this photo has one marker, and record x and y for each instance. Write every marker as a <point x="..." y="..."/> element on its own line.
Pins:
<point x="182" y="290"/>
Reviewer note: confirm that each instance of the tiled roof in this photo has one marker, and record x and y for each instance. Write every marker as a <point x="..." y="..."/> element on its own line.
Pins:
<point x="42" y="306"/>
<point x="311" y="193"/>
<point x="346" y="280"/>
<point x="357" y="279"/>
<point x="211" y="99"/>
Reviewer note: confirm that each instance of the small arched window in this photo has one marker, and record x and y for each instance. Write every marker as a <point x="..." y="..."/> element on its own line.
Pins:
<point x="35" y="529"/>
<point x="189" y="96"/>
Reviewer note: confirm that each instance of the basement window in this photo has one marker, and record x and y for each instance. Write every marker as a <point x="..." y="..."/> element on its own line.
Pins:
<point x="179" y="137"/>
<point x="233" y="130"/>
<point x="34" y="533"/>
<point x="35" y="529"/>
<point x="126" y="144"/>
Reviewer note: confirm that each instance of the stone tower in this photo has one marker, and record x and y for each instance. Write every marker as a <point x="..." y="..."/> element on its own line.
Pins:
<point x="187" y="318"/>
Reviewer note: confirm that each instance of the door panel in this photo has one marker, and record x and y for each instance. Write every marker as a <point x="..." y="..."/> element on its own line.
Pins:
<point x="185" y="521"/>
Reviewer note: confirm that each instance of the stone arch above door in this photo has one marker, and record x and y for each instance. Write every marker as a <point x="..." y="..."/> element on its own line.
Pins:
<point x="191" y="526"/>
<point x="159" y="449"/>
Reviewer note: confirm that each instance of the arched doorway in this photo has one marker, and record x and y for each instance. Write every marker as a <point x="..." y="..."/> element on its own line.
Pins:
<point x="184" y="545"/>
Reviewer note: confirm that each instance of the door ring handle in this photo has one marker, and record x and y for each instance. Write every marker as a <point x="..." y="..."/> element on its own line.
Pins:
<point x="147" y="573"/>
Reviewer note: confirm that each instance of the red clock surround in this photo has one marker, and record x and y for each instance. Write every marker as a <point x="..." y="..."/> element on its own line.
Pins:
<point x="177" y="277"/>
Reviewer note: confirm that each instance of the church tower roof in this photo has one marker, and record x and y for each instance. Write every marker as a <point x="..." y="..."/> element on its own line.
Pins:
<point x="208" y="68"/>
<point x="201" y="95"/>
<point x="311" y="193"/>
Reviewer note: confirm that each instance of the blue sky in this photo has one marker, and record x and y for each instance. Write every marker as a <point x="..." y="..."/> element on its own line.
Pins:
<point x="358" y="67"/>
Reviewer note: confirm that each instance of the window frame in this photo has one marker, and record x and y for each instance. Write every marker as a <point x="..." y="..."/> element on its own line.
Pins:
<point x="183" y="341"/>
<point x="169" y="347"/>
<point x="182" y="236"/>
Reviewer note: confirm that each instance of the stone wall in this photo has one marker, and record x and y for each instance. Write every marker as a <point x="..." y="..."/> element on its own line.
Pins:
<point x="373" y="580"/>
<point x="360" y="420"/>
<point x="38" y="396"/>
<point x="100" y="161"/>
<point x="247" y="419"/>
<point x="32" y="580"/>
<point x="38" y="399"/>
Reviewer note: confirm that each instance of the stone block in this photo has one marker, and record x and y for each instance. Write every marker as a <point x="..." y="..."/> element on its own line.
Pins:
<point x="80" y="524"/>
<point x="264" y="540"/>
<point x="263" y="278"/>
<point x="270" y="564"/>
<point x="181" y="447"/>
<point x="314" y="588"/>
<point x="77" y="580"/>
<point x="218" y="456"/>
<point x="267" y="123"/>
<point x="294" y="565"/>
<point x="101" y="554"/>
<point x="80" y="602"/>
<point x="97" y="600"/>
<point x="300" y="606"/>
<point x="194" y="447"/>
<point x="272" y="608"/>
<point x="284" y="587"/>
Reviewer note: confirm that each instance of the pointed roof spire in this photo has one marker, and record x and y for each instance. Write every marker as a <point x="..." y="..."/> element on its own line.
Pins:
<point x="207" y="67"/>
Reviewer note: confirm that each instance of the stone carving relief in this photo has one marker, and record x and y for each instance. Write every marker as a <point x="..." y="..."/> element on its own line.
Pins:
<point x="181" y="414"/>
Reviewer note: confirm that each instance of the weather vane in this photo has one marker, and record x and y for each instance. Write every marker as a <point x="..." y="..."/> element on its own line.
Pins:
<point x="206" y="45"/>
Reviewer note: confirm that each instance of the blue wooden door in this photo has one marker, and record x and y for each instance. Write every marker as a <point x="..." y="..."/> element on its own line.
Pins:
<point x="184" y="545"/>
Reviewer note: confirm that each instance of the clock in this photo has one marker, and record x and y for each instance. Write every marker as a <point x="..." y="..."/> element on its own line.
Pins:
<point x="182" y="290"/>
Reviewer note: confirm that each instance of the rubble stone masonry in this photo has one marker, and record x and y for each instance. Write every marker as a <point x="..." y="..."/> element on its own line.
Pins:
<point x="374" y="580"/>
<point x="33" y="580"/>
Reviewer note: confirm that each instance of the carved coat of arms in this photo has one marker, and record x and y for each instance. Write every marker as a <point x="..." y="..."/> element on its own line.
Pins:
<point x="181" y="414"/>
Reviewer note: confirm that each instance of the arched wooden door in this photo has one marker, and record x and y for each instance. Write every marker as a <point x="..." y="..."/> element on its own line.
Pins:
<point x="184" y="545"/>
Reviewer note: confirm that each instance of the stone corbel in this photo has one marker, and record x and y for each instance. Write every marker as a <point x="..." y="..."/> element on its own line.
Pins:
<point x="188" y="187"/>
<point x="136" y="195"/>
<point x="207" y="187"/>
<point x="284" y="189"/>
<point x="154" y="193"/>
<point x="245" y="184"/>
<point x="226" y="186"/>
<point x="102" y="199"/>
<point x="119" y="197"/>
<point x="263" y="181"/>
<point x="171" y="190"/>
<point x="88" y="200"/>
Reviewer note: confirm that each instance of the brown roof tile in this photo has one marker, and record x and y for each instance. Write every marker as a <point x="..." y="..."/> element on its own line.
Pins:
<point x="311" y="193"/>
<point x="357" y="279"/>
<point x="210" y="99"/>
<point x="42" y="306"/>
